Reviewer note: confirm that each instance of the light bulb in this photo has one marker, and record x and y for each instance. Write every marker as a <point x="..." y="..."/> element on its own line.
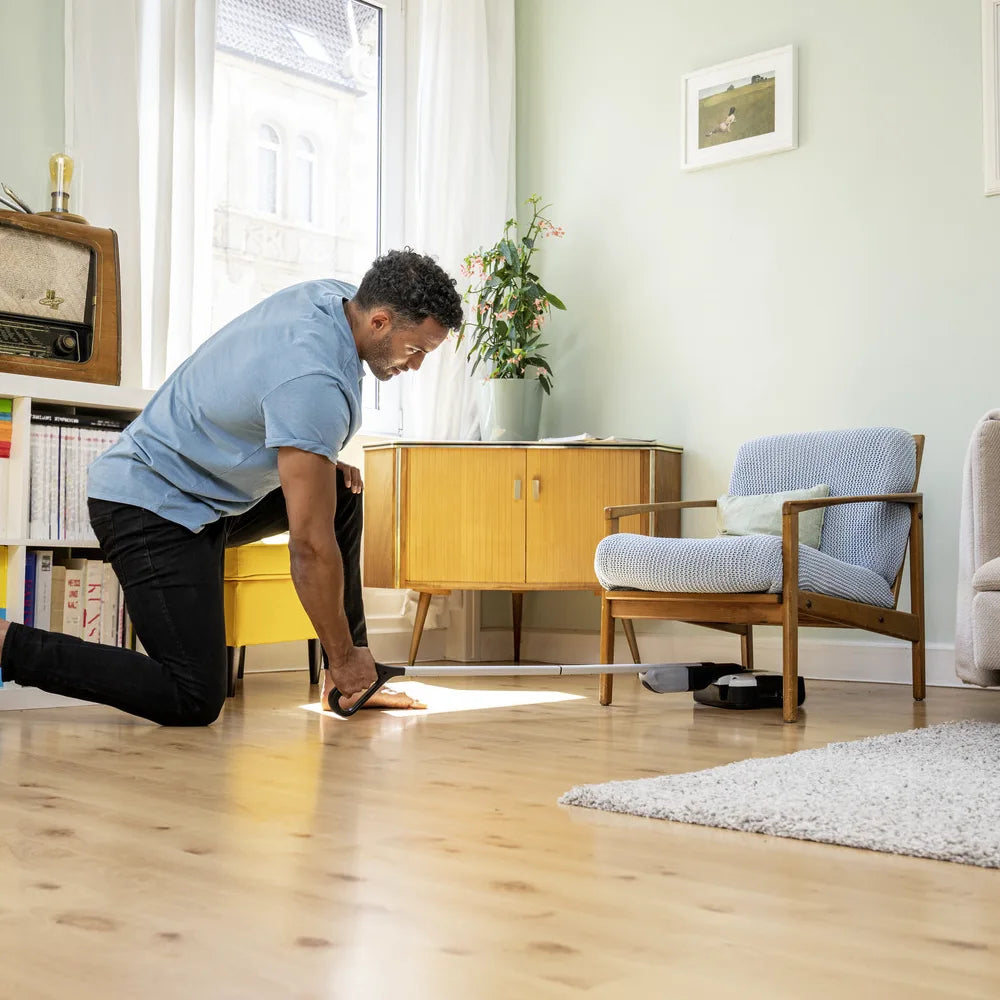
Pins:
<point x="60" y="174"/>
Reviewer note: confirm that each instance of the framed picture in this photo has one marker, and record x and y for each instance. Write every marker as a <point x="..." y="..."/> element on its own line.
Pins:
<point x="991" y="94"/>
<point x="739" y="109"/>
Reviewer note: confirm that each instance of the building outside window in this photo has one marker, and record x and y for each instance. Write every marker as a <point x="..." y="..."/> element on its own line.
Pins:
<point x="294" y="81"/>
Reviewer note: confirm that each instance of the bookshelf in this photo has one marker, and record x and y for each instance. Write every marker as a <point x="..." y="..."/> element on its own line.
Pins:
<point x="27" y="393"/>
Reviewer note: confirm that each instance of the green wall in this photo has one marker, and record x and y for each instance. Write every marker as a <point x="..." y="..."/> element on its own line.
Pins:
<point x="852" y="281"/>
<point x="31" y="80"/>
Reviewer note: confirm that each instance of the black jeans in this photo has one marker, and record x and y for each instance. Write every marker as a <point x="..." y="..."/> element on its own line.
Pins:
<point x="173" y="584"/>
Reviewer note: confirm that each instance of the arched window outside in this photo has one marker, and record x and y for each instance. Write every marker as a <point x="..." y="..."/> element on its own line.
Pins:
<point x="303" y="192"/>
<point x="268" y="147"/>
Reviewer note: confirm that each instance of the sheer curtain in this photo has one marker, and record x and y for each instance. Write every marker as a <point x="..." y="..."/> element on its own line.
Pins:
<point x="459" y="192"/>
<point x="460" y="177"/>
<point x="176" y="67"/>
<point x="102" y="135"/>
<point x="138" y="122"/>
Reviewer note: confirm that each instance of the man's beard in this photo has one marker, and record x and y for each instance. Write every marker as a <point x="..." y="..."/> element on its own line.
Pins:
<point x="379" y="361"/>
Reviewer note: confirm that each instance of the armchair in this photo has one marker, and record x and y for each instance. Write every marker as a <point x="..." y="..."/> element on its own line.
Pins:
<point x="977" y="626"/>
<point x="735" y="582"/>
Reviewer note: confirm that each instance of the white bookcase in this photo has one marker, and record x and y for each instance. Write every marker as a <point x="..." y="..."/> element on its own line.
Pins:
<point x="26" y="391"/>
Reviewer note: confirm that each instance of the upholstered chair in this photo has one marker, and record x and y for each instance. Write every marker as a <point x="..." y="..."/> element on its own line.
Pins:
<point x="735" y="582"/>
<point x="977" y="626"/>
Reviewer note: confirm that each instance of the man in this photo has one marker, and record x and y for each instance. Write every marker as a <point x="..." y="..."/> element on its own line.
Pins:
<point x="239" y="443"/>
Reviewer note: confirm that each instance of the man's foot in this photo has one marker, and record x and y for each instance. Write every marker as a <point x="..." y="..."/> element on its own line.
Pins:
<point x="385" y="697"/>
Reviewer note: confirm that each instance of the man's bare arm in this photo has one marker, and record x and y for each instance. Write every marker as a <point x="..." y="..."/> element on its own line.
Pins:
<point x="309" y="483"/>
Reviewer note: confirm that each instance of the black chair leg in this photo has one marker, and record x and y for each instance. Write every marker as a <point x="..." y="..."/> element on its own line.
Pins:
<point x="315" y="661"/>
<point x="235" y="659"/>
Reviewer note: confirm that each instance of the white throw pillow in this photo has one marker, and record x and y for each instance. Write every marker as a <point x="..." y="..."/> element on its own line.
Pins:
<point x="760" y="514"/>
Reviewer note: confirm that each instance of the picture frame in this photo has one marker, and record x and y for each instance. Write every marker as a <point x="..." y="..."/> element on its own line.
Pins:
<point x="991" y="95"/>
<point x="739" y="109"/>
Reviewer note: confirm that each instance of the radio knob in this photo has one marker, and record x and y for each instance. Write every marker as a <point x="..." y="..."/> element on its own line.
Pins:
<point x="65" y="344"/>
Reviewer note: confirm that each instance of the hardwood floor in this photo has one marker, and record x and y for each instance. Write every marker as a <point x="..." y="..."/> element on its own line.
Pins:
<point x="281" y="853"/>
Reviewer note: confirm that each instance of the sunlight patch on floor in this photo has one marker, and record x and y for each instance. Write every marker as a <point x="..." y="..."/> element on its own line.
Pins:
<point x="442" y="699"/>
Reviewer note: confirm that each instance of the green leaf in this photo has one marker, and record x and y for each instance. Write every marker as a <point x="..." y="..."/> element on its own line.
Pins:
<point x="554" y="301"/>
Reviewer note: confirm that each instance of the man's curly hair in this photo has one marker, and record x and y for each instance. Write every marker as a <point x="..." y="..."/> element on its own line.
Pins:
<point x="414" y="287"/>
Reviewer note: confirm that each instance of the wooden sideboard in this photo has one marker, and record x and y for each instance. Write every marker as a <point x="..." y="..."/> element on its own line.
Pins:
<point x="443" y="516"/>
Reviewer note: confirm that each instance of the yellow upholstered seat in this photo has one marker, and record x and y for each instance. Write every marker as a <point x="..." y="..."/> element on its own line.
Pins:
<point x="262" y="605"/>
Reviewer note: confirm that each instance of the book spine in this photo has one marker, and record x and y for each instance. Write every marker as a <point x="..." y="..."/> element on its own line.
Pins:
<point x="43" y="589"/>
<point x="109" y="605"/>
<point x="29" y="589"/>
<point x="93" y="585"/>
<point x="73" y="605"/>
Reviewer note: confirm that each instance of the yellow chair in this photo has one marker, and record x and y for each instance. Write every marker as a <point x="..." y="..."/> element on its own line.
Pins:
<point x="262" y="606"/>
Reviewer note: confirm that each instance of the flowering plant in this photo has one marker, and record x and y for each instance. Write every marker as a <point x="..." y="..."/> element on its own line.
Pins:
<point x="511" y="304"/>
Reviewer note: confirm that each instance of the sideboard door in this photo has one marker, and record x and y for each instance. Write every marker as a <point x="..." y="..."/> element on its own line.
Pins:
<point x="568" y="489"/>
<point x="464" y="515"/>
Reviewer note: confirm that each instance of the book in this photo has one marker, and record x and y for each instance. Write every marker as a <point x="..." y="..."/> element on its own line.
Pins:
<point x="73" y="600"/>
<point x="6" y="426"/>
<point x="109" y="609"/>
<point x="3" y="581"/>
<point x="43" y="589"/>
<point x="29" y="588"/>
<point x="93" y="585"/>
<point x="58" y="598"/>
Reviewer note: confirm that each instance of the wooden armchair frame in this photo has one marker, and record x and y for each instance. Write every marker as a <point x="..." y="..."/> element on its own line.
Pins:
<point x="792" y="608"/>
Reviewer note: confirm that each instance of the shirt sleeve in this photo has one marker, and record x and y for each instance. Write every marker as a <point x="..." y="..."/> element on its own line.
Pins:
<point x="310" y="412"/>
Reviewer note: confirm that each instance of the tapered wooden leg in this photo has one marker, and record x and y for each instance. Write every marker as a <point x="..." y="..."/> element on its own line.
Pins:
<point x="315" y="661"/>
<point x="917" y="599"/>
<point x="242" y="662"/>
<point x="607" y="650"/>
<point x="418" y="625"/>
<point x="630" y="637"/>
<point x="790" y="616"/>
<point x="517" y="606"/>
<point x="746" y="648"/>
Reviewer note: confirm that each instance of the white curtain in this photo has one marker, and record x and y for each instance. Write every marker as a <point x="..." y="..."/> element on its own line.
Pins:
<point x="460" y="174"/>
<point x="102" y="136"/>
<point x="138" y="123"/>
<point x="176" y="66"/>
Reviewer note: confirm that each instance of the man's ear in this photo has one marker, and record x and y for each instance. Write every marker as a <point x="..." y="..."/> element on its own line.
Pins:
<point x="380" y="320"/>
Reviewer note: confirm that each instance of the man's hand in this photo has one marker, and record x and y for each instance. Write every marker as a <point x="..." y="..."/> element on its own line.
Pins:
<point x="352" y="477"/>
<point x="351" y="674"/>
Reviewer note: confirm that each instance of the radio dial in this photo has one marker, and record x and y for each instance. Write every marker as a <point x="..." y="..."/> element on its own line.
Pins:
<point x="65" y="345"/>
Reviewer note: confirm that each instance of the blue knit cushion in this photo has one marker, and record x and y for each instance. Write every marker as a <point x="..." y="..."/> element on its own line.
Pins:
<point x="862" y="544"/>
<point x="864" y="461"/>
<point x="746" y="564"/>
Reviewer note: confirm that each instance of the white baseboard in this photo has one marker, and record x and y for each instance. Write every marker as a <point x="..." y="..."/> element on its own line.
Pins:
<point x="884" y="662"/>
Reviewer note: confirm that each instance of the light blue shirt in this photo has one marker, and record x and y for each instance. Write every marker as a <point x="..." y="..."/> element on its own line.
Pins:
<point x="285" y="373"/>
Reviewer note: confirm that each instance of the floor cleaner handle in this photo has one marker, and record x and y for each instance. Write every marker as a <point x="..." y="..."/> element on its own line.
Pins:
<point x="383" y="673"/>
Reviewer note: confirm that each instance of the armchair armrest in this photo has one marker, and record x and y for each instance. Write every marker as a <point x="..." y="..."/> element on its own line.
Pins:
<point x="612" y="514"/>
<point x="797" y="506"/>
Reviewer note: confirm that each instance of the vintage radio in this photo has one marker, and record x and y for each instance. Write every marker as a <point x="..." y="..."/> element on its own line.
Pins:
<point x="60" y="305"/>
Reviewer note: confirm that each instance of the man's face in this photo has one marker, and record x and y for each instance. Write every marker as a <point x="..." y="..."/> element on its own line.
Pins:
<point x="394" y="349"/>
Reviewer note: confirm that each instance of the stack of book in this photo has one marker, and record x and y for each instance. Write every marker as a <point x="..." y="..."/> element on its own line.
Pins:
<point x="62" y="446"/>
<point x="79" y="597"/>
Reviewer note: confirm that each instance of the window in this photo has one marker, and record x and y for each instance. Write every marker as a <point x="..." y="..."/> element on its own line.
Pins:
<point x="332" y="71"/>
<point x="268" y="148"/>
<point x="303" y="173"/>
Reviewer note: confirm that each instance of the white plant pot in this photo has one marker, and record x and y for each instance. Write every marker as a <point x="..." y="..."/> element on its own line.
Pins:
<point x="510" y="409"/>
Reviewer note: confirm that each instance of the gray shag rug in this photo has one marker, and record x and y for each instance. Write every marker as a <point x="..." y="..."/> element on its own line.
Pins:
<point x="929" y="793"/>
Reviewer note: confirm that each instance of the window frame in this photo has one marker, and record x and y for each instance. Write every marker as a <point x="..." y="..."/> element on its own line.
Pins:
<point x="276" y="148"/>
<point x="386" y="417"/>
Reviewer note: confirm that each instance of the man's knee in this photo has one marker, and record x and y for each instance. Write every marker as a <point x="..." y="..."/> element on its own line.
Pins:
<point x="195" y="712"/>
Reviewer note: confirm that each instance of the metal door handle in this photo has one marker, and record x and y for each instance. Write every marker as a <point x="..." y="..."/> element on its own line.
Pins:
<point x="517" y="489"/>
<point x="536" y="487"/>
